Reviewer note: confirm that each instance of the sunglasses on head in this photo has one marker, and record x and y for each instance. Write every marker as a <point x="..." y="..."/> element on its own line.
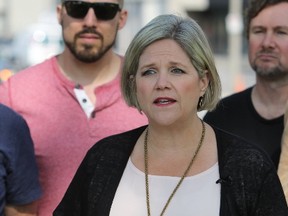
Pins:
<point x="102" y="10"/>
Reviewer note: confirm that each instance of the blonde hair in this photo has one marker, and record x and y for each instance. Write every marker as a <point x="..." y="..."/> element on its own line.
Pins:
<point x="189" y="35"/>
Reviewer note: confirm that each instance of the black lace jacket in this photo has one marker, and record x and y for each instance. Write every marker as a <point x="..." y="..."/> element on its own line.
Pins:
<point x="249" y="182"/>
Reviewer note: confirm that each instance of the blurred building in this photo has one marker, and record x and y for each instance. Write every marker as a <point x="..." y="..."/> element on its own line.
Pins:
<point x="16" y="15"/>
<point x="17" y="18"/>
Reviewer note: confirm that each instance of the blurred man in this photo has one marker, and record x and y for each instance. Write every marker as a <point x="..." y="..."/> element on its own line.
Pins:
<point x="283" y="163"/>
<point x="19" y="184"/>
<point x="72" y="100"/>
<point x="256" y="114"/>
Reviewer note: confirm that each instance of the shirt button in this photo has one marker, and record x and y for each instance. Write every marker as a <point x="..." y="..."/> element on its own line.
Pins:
<point x="78" y="86"/>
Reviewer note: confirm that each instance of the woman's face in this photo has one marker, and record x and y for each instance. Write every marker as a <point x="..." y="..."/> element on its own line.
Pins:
<point x="168" y="85"/>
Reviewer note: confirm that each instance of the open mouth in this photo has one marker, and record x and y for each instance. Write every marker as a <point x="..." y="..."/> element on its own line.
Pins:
<point x="164" y="101"/>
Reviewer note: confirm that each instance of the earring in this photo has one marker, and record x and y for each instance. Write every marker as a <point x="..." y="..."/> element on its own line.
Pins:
<point x="200" y="103"/>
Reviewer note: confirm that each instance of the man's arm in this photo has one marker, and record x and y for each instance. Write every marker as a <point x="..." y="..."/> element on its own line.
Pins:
<point x="21" y="210"/>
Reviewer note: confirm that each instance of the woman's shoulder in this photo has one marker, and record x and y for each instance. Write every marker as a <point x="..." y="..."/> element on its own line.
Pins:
<point x="111" y="152"/>
<point x="122" y="141"/>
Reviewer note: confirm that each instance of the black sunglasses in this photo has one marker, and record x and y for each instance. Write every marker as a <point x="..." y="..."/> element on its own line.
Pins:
<point x="102" y="10"/>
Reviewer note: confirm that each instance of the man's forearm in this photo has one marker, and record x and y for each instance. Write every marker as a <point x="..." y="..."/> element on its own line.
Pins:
<point x="21" y="210"/>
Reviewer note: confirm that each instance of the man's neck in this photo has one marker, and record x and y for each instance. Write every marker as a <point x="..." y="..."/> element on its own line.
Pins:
<point x="90" y="74"/>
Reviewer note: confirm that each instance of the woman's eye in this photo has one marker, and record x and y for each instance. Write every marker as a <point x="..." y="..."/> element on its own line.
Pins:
<point x="148" y="72"/>
<point x="177" y="71"/>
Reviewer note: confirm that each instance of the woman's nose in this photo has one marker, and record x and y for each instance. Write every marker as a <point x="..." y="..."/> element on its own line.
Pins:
<point x="162" y="81"/>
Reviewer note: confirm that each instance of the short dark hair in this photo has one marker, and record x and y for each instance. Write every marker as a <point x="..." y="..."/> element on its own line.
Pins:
<point x="121" y="3"/>
<point x="254" y="8"/>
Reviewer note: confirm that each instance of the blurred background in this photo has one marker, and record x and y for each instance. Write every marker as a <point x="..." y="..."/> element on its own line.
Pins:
<point x="29" y="33"/>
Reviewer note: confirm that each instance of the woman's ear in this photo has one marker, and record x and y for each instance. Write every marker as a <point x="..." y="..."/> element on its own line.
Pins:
<point x="204" y="82"/>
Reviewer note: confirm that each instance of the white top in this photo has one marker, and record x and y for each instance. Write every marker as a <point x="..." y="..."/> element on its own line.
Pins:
<point x="84" y="101"/>
<point x="197" y="195"/>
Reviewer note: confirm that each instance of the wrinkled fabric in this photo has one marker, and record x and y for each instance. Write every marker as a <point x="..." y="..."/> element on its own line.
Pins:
<point x="249" y="182"/>
<point x="19" y="183"/>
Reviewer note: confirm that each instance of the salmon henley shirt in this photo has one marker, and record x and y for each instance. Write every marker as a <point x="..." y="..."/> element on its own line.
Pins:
<point x="61" y="131"/>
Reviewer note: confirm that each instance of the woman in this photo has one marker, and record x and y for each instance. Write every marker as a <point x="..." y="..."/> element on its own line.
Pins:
<point x="177" y="165"/>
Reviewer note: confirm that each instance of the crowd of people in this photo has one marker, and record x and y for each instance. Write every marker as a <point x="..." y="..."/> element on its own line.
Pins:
<point x="169" y="74"/>
<point x="100" y="131"/>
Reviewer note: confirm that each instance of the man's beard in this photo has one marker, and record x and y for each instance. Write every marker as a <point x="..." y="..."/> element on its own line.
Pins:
<point x="272" y="73"/>
<point x="277" y="72"/>
<point x="87" y="55"/>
